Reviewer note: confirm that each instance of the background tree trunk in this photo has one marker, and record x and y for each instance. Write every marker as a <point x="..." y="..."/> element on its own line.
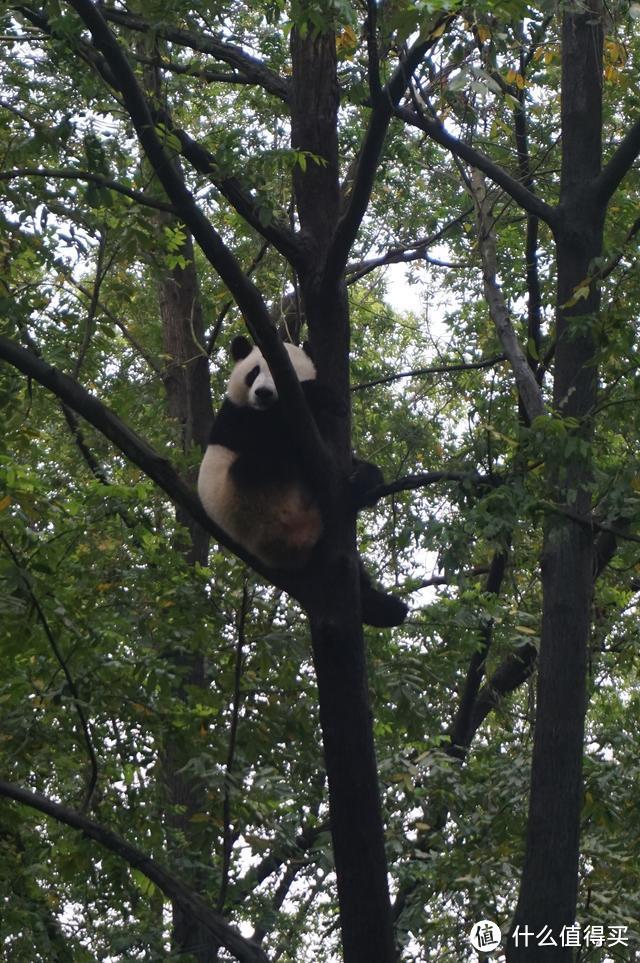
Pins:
<point x="550" y="878"/>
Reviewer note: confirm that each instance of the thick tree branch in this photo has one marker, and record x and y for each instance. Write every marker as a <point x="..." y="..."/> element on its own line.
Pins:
<point x="462" y="730"/>
<point x="524" y="197"/>
<point x="254" y="70"/>
<point x="422" y="480"/>
<point x="517" y="666"/>
<point x="618" y="165"/>
<point x="172" y="887"/>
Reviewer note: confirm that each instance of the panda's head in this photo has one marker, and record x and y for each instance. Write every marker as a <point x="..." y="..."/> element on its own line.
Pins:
<point x="251" y="384"/>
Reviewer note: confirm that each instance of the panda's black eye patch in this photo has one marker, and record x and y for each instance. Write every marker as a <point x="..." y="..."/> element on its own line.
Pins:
<point x="251" y="377"/>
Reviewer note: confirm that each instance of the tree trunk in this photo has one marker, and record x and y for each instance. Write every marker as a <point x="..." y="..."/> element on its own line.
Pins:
<point x="188" y="390"/>
<point x="548" y="890"/>
<point x="334" y="609"/>
<point x="189" y="402"/>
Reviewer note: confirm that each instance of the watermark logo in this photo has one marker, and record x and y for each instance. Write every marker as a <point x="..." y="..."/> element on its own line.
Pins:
<point x="485" y="936"/>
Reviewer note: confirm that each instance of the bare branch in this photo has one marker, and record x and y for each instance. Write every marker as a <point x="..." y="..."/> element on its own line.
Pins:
<point x="173" y="888"/>
<point x="462" y="730"/>
<point x="437" y="580"/>
<point x="198" y="73"/>
<point x="424" y="479"/>
<point x="72" y="173"/>
<point x="227" y="843"/>
<point x="522" y="195"/>
<point x="279" y="854"/>
<point x="528" y="388"/>
<point x="436" y="369"/>
<point x="414" y="251"/>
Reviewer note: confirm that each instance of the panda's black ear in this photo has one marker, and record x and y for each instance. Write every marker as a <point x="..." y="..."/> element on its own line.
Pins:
<point x="240" y="347"/>
<point x="306" y="347"/>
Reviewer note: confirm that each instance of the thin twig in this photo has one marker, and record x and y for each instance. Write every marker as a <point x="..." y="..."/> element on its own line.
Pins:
<point x="437" y="369"/>
<point x="227" y="841"/>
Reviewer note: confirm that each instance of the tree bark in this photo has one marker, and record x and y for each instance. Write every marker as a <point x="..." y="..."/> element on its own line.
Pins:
<point x="548" y="891"/>
<point x="187" y="385"/>
<point x="188" y="392"/>
<point x="334" y="602"/>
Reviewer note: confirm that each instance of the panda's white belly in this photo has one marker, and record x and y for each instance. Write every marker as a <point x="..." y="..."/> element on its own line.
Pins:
<point x="280" y="526"/>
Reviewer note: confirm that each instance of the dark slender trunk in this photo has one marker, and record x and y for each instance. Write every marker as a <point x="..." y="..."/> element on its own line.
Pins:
<point x="548" y="892"/>
<point x="187" y="386"/>
<point x="188" y="392"/>
<point x="189" y="402"/>
<point x="334" y="602"/>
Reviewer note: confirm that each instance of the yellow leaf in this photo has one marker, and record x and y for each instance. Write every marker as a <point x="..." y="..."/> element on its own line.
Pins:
<point x="483" y="32"/>
<point x="579" y="292"/>
<point x="437" y="31"/>
<point x="616" y="53"/>
<point x="5" y="502"/>
<point x="513" y="77"/>
<point x="347" y="41"/>
<point x="525" y="630"/>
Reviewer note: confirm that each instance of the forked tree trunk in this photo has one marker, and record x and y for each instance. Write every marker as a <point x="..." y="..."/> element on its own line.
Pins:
<point x="548" y="890"/>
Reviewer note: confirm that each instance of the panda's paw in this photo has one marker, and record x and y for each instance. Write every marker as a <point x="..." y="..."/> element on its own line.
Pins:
<point x="381" y="610"/>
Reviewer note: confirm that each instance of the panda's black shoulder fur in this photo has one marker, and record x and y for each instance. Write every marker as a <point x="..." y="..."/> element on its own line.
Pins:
<point x="248" y="430"/>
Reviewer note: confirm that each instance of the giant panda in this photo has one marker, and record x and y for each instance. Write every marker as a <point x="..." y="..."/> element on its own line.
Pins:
<point x="253" y="483"/>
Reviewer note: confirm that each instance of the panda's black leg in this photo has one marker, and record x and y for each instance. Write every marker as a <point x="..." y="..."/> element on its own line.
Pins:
<point x="379" y="608"/>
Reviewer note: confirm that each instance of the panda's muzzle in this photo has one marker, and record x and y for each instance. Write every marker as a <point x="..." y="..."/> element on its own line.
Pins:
<point x="264" y="397"/>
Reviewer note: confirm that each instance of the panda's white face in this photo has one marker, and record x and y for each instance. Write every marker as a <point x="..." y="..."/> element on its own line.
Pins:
<point x="251" y="384"/>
